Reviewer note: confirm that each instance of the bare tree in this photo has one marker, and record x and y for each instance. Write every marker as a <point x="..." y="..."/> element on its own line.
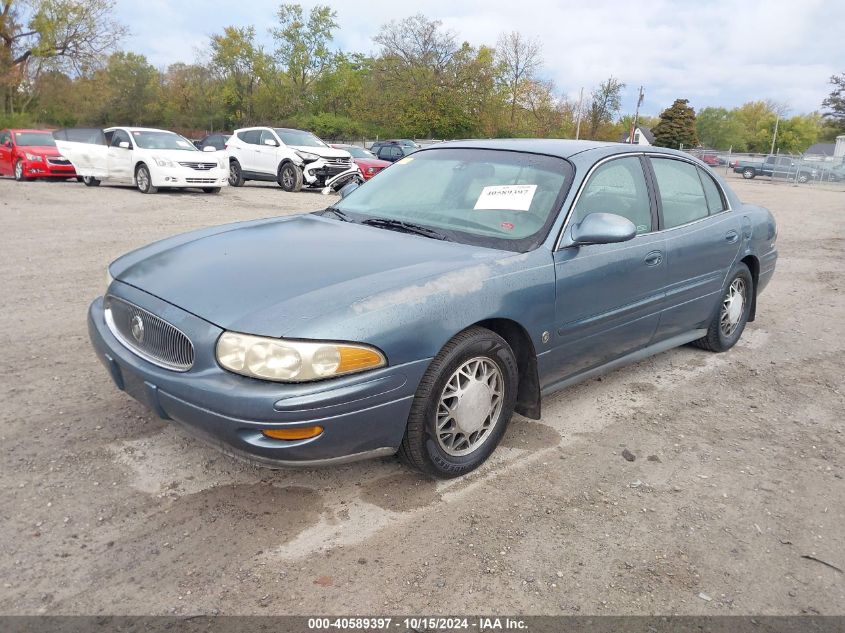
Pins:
<point x="67" y="35"/>
<point x="605" y="104"/>
<point x="519" y="58"/>
<point x="418" y="41"/>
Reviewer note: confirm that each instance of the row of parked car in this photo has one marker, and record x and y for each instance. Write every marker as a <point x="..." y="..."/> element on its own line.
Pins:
<point x="151" y="159"/>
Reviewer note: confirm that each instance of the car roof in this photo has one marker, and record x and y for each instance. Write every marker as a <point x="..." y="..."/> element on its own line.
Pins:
<point x="136" y="129"/>
<point x="563" y="148"/>
<point x="26" y="130"/>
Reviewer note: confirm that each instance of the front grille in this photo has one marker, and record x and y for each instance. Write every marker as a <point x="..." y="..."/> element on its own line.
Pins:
<point x="201" y="181"/>
<point x="339" y="161"/>
<point x="199" y="166"/>
<point x="149" y="336"/>
<point x="58" y="160"/>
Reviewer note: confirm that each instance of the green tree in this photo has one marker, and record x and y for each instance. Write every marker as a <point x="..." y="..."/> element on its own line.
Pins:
<point x="519" y="58"/>
<point x="302" y="46"/>
<point x="129" y="90"/>
<point x="605" y="103"/>
<point x="42" y="35"/>
<point x="720" y="128"/>
<point x="244" y="70"/>
<point x="677" y="126"/>
<point x="835" y="103"/>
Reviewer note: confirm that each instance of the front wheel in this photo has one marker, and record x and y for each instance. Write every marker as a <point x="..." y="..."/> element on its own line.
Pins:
<point x="90" y="181"/>
<point x="211" y="189"/>
<point x="731" y="317"/>
<point x="290" y="177"/>
<point x="19" y="172"/>
<point x="803" y="177"/>
<point x="236" y="176"/>
<point x="143" y="180"/>
<point x="748" y="173"/>
<point x="462" y="406"/>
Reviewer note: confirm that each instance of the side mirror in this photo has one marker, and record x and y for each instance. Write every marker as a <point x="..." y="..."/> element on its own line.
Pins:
<point x="123" y="144"/>
<point x="348" y="188"/>
<point x="271" y="142"/>
<point x="603" y="228"/>
<point x="209" y="148"/>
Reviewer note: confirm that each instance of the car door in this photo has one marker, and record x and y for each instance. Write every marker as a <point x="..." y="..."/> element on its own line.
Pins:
<point x="703" y="237"/>
<point x="120" y="154"/>
<point x="86" y="149"/>
<point x="608" y="296"/>
<point x="6" y="151"/>
<point x="267" y="158"/>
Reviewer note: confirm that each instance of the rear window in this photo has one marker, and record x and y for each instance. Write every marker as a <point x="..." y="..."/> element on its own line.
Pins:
<point x="250" y="136"/>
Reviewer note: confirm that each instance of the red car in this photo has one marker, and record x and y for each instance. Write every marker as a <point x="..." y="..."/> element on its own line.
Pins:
<point x="366" y="161"/>
<point x="28" y="154"/>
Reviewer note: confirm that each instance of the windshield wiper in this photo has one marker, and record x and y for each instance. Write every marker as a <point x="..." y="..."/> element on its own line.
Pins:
<point x="337" y="212"/>
<point x="406" y="227"/>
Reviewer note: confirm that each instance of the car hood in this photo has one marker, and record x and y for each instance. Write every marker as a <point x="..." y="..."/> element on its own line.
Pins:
<point x="183" y="155"/>
<point x="373" y="162"/>
<point x="325" y="152"/>
<point x="43" y="150"/>
<point x="268" y="277"/>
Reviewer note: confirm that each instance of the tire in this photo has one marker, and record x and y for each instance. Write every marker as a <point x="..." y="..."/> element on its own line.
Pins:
<point x="19" y="173"/>
<point x="479" y="352"/>
<point x="748" y="173"/>
<point x="236" y="176"/>
<point x="80" y="179"/>
<point x="211" y="189"/>
<point x="90" y="181"/>
<point x="143" y="180"/>
<point x="718" y="338"/>
<point x="290" y="177"/>
<point x="803" y="177"/>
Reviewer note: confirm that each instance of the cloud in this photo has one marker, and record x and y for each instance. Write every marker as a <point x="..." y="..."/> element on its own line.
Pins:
<point x="714" y="53"/>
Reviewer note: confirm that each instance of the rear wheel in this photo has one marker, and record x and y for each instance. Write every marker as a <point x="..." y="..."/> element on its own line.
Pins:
<point x="803" y="177"/>
<point x="748" y="173"/>
<point x="730" y="320"/>
<point x="211" y="189"/>
<point x="290" y="177"/>
<point x="90" y="181"/>
<point x="236" y="177"/>
<point x="462" y="406"/>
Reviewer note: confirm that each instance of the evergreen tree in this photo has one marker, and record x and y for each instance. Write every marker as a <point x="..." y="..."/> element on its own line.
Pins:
<point x="677" y="126"/>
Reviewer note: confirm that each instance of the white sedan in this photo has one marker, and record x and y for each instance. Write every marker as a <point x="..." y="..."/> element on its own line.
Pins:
<point x="144" y="157"/>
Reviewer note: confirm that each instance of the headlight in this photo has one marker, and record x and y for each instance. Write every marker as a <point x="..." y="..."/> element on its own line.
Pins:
<point x="308" y="157"/>
<point x="33" y="157"/>
<point x="293" y="361"/>
<point x="371" y="170"/>
<point x="163" y="162"/>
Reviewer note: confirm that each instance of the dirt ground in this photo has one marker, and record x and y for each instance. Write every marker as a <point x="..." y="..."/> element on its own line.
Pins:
<point x="738" y="473"/>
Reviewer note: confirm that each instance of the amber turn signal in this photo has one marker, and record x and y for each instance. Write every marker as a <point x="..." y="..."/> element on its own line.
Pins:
<point x="356" y="358"/>
<point x="301" y="433"/>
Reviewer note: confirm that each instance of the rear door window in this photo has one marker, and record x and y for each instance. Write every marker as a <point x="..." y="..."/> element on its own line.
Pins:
<point x="715" y="201"/>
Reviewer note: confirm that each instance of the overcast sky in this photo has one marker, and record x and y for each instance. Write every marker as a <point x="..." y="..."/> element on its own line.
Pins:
<point x="713" y="52"/>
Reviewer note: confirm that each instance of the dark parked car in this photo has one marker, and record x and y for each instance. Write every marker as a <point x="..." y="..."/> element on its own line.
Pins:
<point x="217" y="141"/>
<point x="423" y="308"/>
<point x="392" y="151"/>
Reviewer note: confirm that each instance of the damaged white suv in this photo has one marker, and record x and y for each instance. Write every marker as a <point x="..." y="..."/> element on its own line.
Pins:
<point x="293" y="158"/>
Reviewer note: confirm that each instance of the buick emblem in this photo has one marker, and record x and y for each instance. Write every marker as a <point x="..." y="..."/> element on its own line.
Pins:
<point x="137" y="327"/>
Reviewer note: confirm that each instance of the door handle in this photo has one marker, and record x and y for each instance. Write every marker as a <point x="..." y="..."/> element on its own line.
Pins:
<point x="731" y="236"/>
<point x="654" y="258"/>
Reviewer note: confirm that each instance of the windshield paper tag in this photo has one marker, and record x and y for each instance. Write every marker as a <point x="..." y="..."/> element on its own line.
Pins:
<point x="505" y="198"/>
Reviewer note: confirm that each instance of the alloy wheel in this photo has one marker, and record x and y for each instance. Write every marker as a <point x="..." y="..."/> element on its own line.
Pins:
<point x="733" y="307"/>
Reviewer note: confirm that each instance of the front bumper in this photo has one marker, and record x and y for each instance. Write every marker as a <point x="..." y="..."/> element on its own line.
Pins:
<point x="46" y="169"/>
<point x="362" y="415"/>
<point x="320" y="172"/>
<point x="188" y="177"/>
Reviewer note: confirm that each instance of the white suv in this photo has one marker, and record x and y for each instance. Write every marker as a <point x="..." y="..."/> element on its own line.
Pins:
<point x="293" y="158"/>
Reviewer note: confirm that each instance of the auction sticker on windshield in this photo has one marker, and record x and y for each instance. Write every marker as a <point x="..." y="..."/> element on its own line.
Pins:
<point x="505" y="198"/>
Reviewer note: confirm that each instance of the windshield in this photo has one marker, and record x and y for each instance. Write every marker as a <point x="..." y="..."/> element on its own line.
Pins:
<point x="358" y="152"/>
<point x="299" y="137"/>
<point x="34" y="139"/>
<point x="500" y="199"/>
<point x="162" y="140"/>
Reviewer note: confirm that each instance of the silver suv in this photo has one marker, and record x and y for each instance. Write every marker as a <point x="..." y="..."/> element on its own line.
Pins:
<point x="293" y="158"/>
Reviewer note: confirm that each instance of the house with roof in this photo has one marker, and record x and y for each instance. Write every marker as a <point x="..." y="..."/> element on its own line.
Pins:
<point x="642" y="136"/>
<point x="820" y="151"/>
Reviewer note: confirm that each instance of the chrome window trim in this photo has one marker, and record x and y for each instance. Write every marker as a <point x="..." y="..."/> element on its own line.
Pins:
<point x="109" y="319"/>
<point x="583" y="184"/>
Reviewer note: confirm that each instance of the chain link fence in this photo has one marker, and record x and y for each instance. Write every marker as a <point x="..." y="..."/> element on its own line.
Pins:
<point x="795" y="169"/>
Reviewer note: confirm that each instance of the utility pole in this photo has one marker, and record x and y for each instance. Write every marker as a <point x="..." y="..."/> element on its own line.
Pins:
<point x="775" y="135"/>
<point x="636" y="116"/>
<point x="578" y="117"/>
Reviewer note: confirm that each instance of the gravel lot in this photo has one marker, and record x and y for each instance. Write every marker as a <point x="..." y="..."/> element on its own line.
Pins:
<point x="738" y="473"/>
